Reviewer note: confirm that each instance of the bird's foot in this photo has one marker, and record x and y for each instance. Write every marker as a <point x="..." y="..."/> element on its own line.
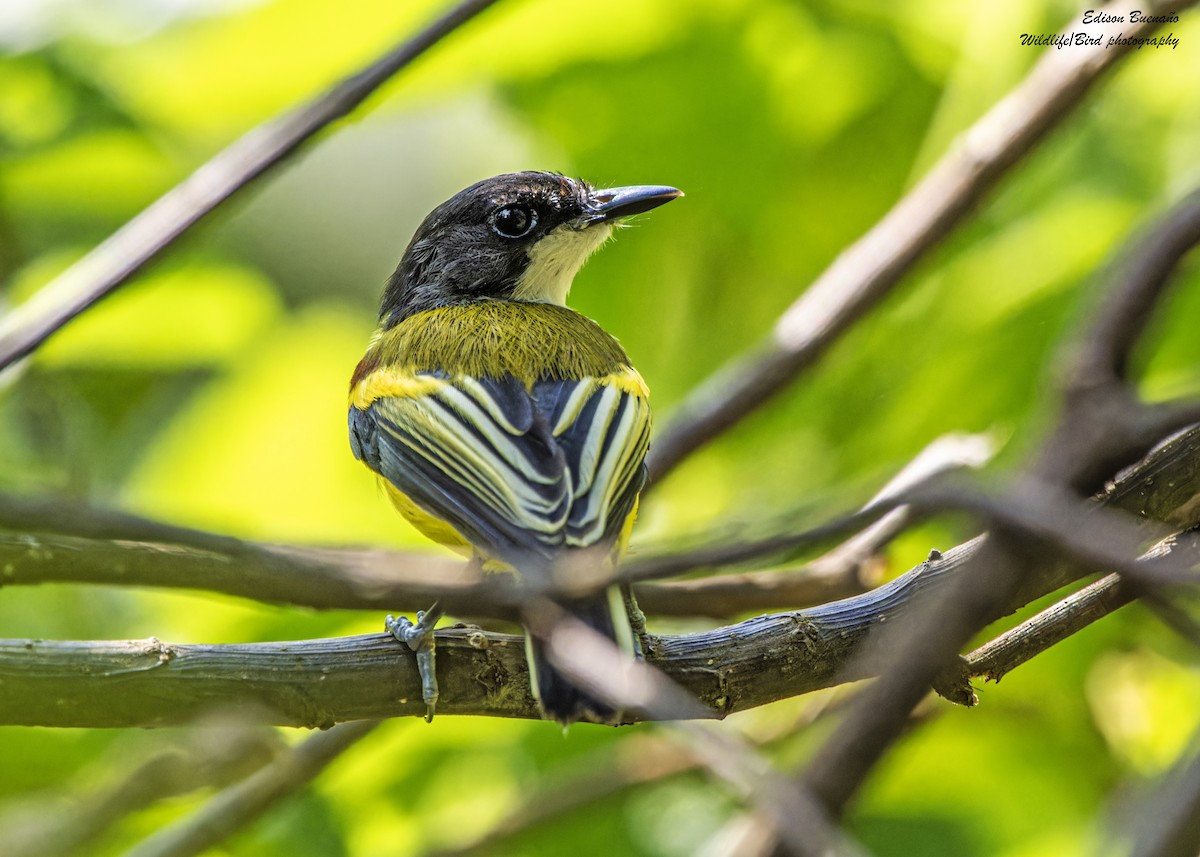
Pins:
<point x="637" y="624"/>
<point x="418" y="636"/>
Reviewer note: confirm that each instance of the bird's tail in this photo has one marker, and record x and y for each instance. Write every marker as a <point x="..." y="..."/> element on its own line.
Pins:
<point x="560" y="698"/>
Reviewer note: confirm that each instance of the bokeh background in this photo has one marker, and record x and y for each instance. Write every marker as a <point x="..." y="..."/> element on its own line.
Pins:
<point x="211" y="390"/>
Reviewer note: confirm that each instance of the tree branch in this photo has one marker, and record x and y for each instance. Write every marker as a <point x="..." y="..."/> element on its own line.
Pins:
<point x="869" y="269"/>
<point x="996" y="658"/>
<point x="123" y="254"/>
<point x="320" y="682"/>
<point x="119" y="549"/>
<point x="368" y="579"/>
<point x="1102" y="425"/>
<point x="848" y="569"/>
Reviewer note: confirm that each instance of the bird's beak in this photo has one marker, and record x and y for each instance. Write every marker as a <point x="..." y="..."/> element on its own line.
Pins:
<point x="616" y="202"/>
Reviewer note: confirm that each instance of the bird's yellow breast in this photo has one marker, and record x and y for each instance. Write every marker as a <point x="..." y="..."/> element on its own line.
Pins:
<point x="428" y="525"/>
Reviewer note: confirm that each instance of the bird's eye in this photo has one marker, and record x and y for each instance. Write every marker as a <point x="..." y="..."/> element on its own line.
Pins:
<point x="514" y="221"/>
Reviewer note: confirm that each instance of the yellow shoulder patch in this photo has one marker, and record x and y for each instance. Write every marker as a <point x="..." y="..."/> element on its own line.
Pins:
<point x="628" y="381"/>
<point x="394" y="382"/>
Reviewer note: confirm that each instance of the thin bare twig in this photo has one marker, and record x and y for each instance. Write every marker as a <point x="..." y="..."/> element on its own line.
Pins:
<point x="799" y="822"/>
<point x="1134" y="283"/>
<point x="848" y="569"/>
<point x="377" y="579"/>
<point x="864" y="273"/>
<point x="723" y="553"/>
<point x="996" y="658"/>
<point x="330" y="578"/>
<point x="105" y="546"/>
<point x="323" y="578"/>
<point x="726" y="595"/>
<point x="118" y="258"/>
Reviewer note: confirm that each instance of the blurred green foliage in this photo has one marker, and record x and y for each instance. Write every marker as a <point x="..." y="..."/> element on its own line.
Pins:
<point x="210" y="391"/>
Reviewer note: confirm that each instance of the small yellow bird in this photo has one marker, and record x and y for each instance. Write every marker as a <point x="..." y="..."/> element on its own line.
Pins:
<point x="502" y="423"/>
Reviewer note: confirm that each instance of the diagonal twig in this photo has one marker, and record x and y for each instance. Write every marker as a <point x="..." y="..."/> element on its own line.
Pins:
<point x="845" y="570"/>
<point x="124" y="253"/>
<point x="864" y="273"/>
<point x="637" y="760"/>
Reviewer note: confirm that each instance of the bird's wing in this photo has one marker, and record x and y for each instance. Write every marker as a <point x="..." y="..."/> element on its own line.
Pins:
<point x="514" y="471"/>
<point x="602" y="426"/>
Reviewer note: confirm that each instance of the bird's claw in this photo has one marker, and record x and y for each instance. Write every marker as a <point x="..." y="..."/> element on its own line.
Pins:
<point x="418" y="636"/>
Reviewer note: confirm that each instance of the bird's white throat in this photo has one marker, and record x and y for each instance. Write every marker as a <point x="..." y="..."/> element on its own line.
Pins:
<point x="556" y="259"/>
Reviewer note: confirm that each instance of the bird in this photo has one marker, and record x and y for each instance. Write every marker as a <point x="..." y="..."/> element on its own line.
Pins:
<point x="500" y="422"/>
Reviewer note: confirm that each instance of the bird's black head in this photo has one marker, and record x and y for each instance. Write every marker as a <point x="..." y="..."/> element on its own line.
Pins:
<point x="518" y="236"/>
